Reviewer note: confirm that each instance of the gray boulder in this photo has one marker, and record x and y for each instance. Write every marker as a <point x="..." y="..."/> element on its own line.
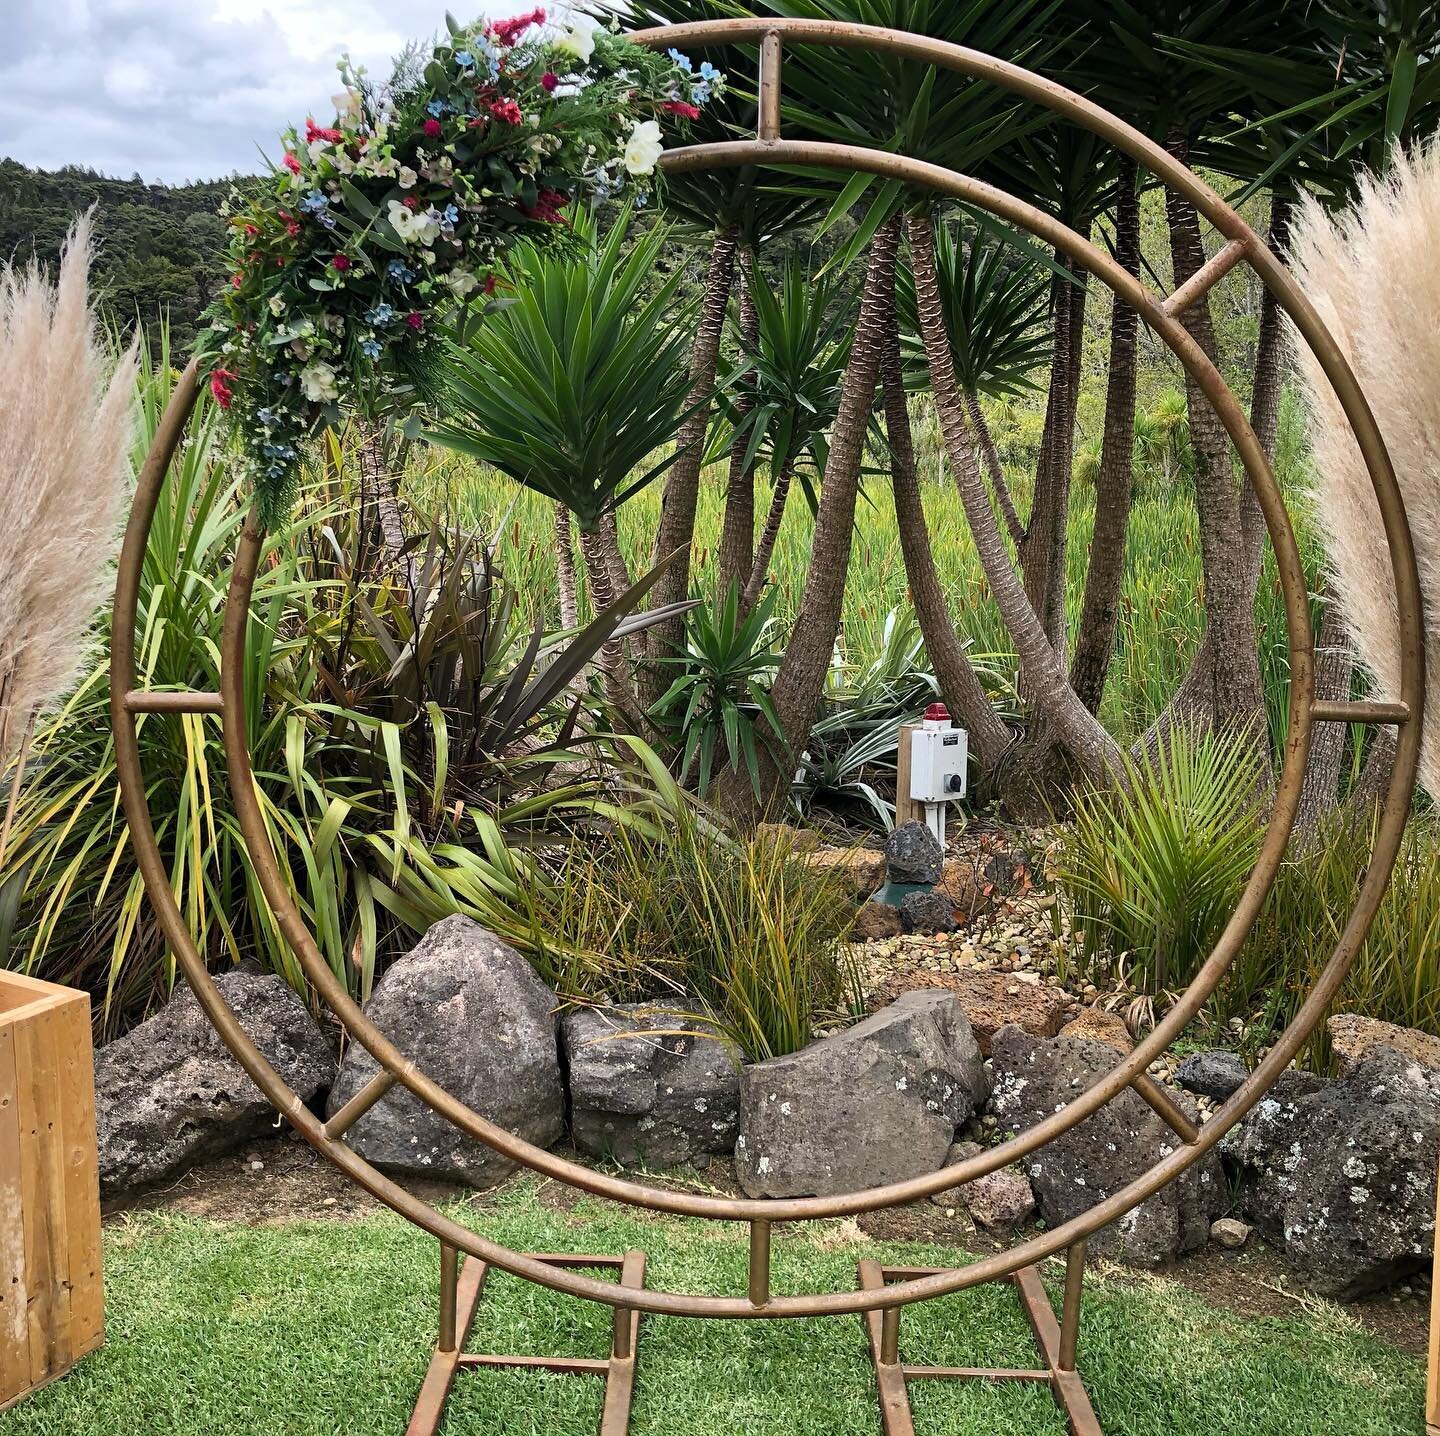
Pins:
<point x="874" y="1104"/>
<point x="913" y="854"/>
<point x="1214" y="1074"/>
<point x="471" y="1012"/>
<point x="169" y="1094"/>
<point x="997" y="1201"/>
<point x="1034" y="1078"/>
<point x="926" y="912"/>
<point x="1344" y="1175"/>
<point x="650" y="1086"/>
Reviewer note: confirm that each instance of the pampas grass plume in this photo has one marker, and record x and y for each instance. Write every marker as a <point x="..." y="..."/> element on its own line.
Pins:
<point x="65" y="420"/>
<point x="1373" y="273"/>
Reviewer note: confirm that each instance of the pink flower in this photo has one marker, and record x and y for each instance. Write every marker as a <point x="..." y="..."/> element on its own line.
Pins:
<point x="549" y="80"/>
<point x="220" y="387"/>
<point x="415" y="320"/>
<point x="679" y="107"/>
<point x="313" y="132"/>
<point x="549" y="207"/>
<point x="506" y="110"/>
<point x="507" y="32"/>
<point x="432" y="129"/>
<point x="341" y="262"/>
<point x="291" y="163"/>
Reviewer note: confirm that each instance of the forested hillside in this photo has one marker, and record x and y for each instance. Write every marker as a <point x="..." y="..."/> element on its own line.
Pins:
<point x="159" y="245"/>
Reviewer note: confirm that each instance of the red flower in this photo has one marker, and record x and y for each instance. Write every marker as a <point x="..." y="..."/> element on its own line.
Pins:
<point x="432" y="129"/>
<point x="251" y="231"/>
<point x="409" y="201"/>
<point x="507" y="32"/>
<point x="291" y="163"/>
<point x="490" y="283"/>
<point x="220" y="388"/>
<point x="679" y="107"/>
<point x="341" y="262"/>
<point x="506" y="110"/>
<point x="549" y="207"/>
<point x="236" y="280"/>
<point x="549" y="80"/>
<point x="313" y="132"/>
<point x="415" y="320"/>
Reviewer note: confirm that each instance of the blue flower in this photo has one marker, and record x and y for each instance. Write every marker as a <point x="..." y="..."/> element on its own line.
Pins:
<point x="267" y="417"/>
<point x="708" y="72"/>
<point x="437" y="108"/>
<point x="315" y="202"/>
<point x="370" y="348"/>
<point x="451" y="216"/>
<point x="641" y="199"/>
<point x="380" y="315"/>
<point x="683" y="61"/>
<point x="465" y="59"/>
<point x="700" y="93"/>
<point x="400" y="272"/>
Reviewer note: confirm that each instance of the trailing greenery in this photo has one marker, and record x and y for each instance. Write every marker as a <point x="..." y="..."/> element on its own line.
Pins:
<point x="307" y="1327"/>
<point x="742" y="931"/>
<point x="1153" y="868"/>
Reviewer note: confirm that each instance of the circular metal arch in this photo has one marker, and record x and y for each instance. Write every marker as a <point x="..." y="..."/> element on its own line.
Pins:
<point x="1243" y="245"/>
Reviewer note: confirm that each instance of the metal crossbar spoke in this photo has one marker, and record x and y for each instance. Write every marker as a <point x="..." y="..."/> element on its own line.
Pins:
<point x="1205" y="278"/>
<point x="768" y="120"/>
<point x="1324" y="710"/>
<point x="184" y="701"/>
<point x="1164" y="1105"/>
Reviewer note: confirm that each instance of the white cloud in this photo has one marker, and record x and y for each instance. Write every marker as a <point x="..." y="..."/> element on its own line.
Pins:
<point x="185" y="89"/>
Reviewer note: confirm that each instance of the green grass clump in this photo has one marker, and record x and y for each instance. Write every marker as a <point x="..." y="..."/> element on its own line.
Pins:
<point x="324" y="1329"/>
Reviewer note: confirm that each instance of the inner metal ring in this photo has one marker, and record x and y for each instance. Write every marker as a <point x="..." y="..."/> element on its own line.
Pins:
<point x="1132" y="1068"/>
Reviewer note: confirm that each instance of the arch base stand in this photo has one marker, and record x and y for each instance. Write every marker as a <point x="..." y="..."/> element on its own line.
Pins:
<point x="462" y="1288"/>
<point x="460" y="1293"/>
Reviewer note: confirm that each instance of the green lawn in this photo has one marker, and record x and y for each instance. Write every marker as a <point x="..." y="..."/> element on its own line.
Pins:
<point x="324" y="1328"/>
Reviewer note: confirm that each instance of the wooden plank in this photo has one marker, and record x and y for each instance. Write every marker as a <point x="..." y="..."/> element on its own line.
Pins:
<point x="42" y="1177"/>
<point x="907" y="810"/>
<point x="81" y="1177"/>
<point x="14" y="1327"/>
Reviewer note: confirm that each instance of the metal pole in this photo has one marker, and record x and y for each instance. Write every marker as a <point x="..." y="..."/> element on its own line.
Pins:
<point x="1070" y="1312"/>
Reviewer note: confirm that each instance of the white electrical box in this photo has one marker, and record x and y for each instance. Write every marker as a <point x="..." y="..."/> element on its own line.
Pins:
<point x="939" y="758"/>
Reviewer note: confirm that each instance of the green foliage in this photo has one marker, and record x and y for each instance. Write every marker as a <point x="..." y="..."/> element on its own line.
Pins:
<point x="574" y="385"/>
<point x="743" y="930"/>
<point x="1396" y="973"/>
<point x="1153" y="870"/>
<point x="721" y="691"/>
<point x="996" y="302"/>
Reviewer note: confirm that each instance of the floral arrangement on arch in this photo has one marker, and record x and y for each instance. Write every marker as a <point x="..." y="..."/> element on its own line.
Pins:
<point x="370" y="229"/>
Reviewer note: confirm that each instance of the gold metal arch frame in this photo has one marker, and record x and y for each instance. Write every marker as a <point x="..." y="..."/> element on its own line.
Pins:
<point x="881" y="1293"/>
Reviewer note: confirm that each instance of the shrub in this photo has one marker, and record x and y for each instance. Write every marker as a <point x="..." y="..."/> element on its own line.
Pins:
<point x="1153" y="870"/>
<point x="739" y="931"/>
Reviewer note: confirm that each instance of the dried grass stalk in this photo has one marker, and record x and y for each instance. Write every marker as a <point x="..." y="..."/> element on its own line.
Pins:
<point x="65" y="416"/>
<point x="1373" y="273"/>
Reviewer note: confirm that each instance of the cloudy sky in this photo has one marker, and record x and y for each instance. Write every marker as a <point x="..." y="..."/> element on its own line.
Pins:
<point x="187" y="89"/>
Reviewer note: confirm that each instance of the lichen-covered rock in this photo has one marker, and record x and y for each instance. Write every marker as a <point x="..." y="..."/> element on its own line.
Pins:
<point x="992" y="1000"/>
<point x="913" y="854"/>
<point x="471" y="1012"/>
<point x="874" y="1104"/>
<point x="1212" y="1074"/>
<point x="1097" y="1025"/>
<point x="926" y="912"/>
<point x="998" y="1201"/>
<point x="169" y="1094"/>
<point x="1352" y="1038"/>
<point x="650" y="1086"/>
<point x="1034" y="1078"/>
<point x="1344" y="1175"/>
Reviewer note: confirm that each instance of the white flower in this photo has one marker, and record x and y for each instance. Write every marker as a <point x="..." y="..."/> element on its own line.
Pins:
<point x="277" y="305"/>
<point x="319" y="383"/>
<point x="643" y="148"/>
<point x="577" y="43"/>
<point x="412" y="227"/>
<point x="316" y="148"/>
<point x="406" y="178"/>
<point x="461" y="282"/>
<point x="347" y="104"/>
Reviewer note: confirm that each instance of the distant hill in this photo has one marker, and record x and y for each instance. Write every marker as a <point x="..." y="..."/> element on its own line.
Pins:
<point x="160" y="246"/>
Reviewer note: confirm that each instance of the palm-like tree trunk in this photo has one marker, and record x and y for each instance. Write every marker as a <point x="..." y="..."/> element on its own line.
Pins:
<point x="737" y="533"/>
<point x="565" y="570"/>
<point x="1114" y="486"/>
<point x="774" y="517"/>
<point x="676" y="529"/>
<point x="986" y="441"/>
<point x="1334" y="668"/>
<point x="801" y="677"/>
<point x="618" y="686"/>
<point x="989" y="737"/>
<point x="1073" y="726"/>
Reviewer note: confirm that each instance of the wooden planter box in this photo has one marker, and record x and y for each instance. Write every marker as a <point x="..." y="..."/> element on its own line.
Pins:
<point x="51" y="1293"/>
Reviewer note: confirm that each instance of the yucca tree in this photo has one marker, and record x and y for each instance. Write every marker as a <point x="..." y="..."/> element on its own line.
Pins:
<point x="995" y="298"/>
<point x="574" y="388"/>
<point x="794" y="367"/>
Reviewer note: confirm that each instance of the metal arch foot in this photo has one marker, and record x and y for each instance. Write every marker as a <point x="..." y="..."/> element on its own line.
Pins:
<point x="892" y="1376"/>
<point x="460" y="1291"/>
